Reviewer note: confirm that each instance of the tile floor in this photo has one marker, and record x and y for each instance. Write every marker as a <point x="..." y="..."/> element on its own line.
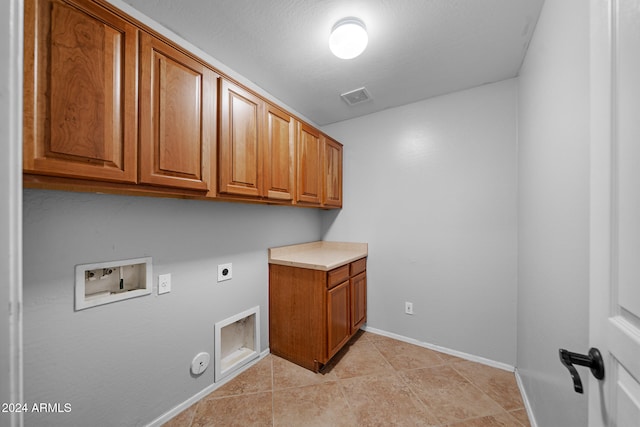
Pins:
<point x="373" y="381"/>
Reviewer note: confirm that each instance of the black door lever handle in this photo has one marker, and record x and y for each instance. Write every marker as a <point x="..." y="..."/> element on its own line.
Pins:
<point x="592" y="361"/>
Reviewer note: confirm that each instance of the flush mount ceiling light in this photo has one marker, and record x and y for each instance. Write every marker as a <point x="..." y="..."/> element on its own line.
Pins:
<point x="348" y="38"/>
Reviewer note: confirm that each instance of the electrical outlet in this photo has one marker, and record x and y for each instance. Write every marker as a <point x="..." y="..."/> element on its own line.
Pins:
<point x="224" y="272"/>
<point x="408" y="308"/>
<point x="164" y="283"/>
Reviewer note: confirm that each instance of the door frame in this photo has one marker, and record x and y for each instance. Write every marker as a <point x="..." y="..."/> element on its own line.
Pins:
<point x="601" y="200"/>
<point x="11" y="77"/>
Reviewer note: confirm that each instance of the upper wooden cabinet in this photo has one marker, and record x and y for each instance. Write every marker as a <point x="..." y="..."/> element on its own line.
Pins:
<point x="79" y="91"/>
<point x="279" y="154"/>
<point x="256" y="146"/>
<point x="332" y="195"/>
<point x="241" y="141"/>
<point x="177" y="117"/>
<point x="308" y="165"/>
<point x="110" y="105"/>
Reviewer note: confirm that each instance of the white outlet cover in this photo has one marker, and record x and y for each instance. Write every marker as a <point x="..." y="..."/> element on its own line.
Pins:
<point x="408" y="308"/>
<point x="225" y="272"/>
<point x="164" y="283"/>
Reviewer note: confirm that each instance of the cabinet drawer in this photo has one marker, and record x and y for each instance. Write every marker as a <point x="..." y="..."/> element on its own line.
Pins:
<point x="358" y="266"/>
<point x="337" y="276"/>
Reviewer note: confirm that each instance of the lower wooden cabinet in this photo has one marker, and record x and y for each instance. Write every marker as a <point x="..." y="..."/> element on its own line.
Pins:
<point x="313" y="313"/>
<point x="338" y="323"/>
<point x="358" y="289"/>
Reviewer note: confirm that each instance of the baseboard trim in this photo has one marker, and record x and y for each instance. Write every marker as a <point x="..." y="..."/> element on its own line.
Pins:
<point x="460" y="354"/>
<point x="525" y="398"/>
<point x="204" y="392"/>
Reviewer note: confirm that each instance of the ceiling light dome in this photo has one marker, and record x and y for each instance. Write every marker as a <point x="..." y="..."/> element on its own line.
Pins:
<point x="348" y="38"/>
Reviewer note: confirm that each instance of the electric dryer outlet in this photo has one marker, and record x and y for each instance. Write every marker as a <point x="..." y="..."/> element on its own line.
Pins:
<point x="225" y="272"/>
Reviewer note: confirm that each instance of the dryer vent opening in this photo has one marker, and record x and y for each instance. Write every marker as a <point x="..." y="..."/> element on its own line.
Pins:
<point x="237" y="342"/>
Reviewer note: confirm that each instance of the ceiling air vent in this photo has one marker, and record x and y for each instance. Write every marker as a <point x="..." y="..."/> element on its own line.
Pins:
<point x="356" y="96"/>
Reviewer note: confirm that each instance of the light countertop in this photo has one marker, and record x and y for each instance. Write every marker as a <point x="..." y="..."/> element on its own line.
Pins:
<point x="318" y="255"/>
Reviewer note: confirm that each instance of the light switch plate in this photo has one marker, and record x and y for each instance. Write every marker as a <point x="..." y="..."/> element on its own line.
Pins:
<point x="164" y="283"/>
<point x="224" y="272"/>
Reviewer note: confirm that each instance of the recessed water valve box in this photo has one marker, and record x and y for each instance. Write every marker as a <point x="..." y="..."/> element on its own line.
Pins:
<point x="106" y="282"/>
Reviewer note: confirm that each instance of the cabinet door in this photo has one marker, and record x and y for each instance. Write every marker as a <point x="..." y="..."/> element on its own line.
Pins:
<point x="358" y="285"/>
<point x="79" y="91"/>
<point x="338" y="323"/>
<point x="177" y="117"/>
<point x="241" y="123"/>
<point x="309" y="165"/>
<point x="278" y="156"/>
<point x="333" y="173"/>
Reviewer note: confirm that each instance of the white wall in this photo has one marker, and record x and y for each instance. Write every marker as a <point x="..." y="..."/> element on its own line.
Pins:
<point x="431" y="187"/>
<point x="128" y="362"/>
<point x="10" y="206"/>
<point x="554" y="210"/>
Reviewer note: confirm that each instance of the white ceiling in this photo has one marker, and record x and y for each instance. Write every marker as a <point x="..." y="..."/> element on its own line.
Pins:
<point x="417" y="48"/>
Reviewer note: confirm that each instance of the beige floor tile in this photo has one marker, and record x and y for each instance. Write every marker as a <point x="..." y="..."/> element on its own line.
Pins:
<point x="183" y="419"/>
<point x="385" y="401"/>
<point x="403" y="356"/>
<point x="356" y="342"/>
<point x="287" y="374"/>
<point x="316" y="405"/>
<point x="449" y="396"/>
<point x="522" y="416"/>
<point x="449" y="358"/>
<point x="361" y="335"/>
<point x="242" y="411"/>
<point x="499" y="384"/>
<point x="362" y="360"/>
<point x="375" y="338"/>
<point x="257" y="378"/>
<point x="497" y="420"/>
<point x="370" y="336"/>
<point x="374" y="381"/>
